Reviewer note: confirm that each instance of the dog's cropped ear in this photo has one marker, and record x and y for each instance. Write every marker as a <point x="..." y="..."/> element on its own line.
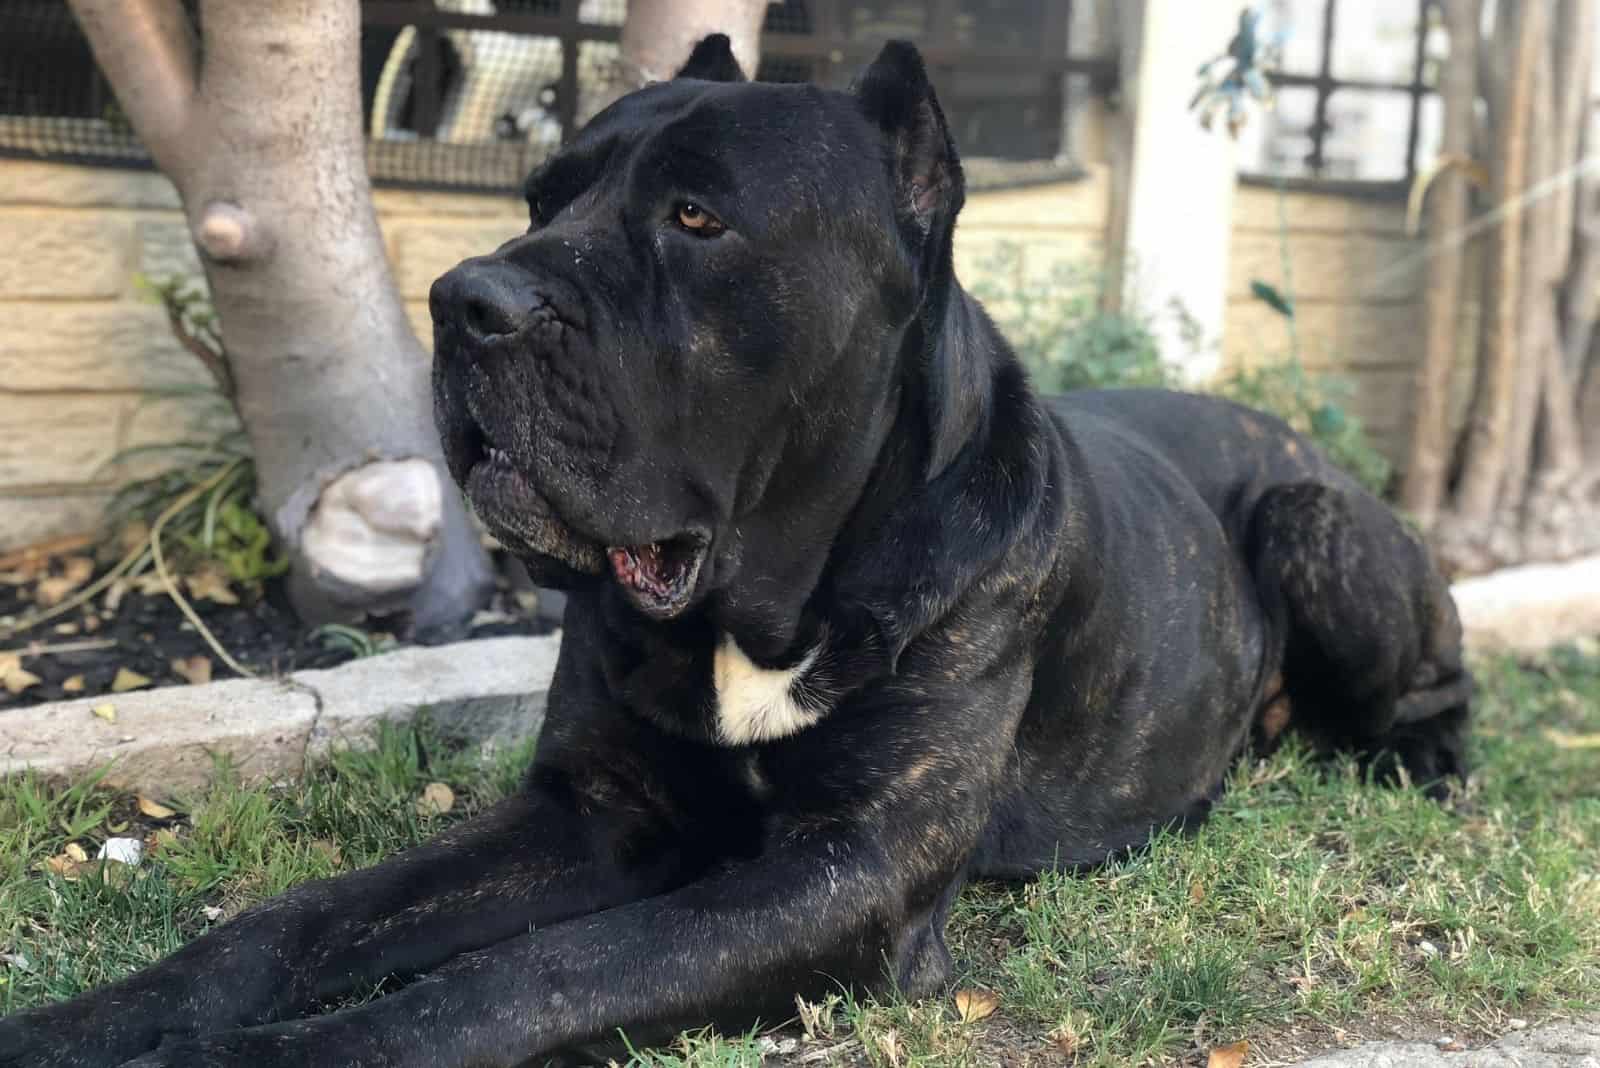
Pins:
<point x="712" y="61"/>
<point x="896" y="94"/>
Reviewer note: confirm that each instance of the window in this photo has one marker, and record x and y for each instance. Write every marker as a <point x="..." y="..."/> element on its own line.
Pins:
<point x="1356" y="93"/>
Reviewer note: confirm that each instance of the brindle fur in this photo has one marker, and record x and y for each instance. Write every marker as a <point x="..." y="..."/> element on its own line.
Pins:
<point x="1045" y="628"/>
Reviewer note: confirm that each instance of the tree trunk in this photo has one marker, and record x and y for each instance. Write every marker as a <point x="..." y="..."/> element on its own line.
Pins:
<point x="1489" y="429"/>
<point x="1535" y="302"/>
<point x="265" y="147"/>
<point x="1424" y="483"/>
<point x="659" y="35"/>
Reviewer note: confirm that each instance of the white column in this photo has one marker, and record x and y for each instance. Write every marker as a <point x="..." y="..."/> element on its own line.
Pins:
<point x="1181" y="182"/>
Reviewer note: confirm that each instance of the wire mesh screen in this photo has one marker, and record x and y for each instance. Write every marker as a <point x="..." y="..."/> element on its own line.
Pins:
<point x="471" y="94"/>
<point x="53" y="102"/>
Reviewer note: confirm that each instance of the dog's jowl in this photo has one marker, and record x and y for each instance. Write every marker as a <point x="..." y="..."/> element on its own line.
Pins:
<point x="854" y="615"/>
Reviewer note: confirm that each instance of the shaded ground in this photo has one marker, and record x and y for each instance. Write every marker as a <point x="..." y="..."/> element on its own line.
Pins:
<point x="134" y="626"/>
<point x="1312" y="911"/>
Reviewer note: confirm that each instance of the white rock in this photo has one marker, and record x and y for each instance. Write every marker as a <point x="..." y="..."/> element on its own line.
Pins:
<point x="126" y="850"/>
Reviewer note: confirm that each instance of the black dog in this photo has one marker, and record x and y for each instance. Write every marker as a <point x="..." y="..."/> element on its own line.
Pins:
<point x="857" y="617"/>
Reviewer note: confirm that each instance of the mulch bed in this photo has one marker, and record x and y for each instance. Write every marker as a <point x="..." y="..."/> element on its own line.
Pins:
<point x="137" y="628"/>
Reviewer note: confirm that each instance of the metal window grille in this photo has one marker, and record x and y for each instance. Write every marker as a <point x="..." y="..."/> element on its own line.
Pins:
<point x="1317" y="107"/>
<point x="471" y="94"/>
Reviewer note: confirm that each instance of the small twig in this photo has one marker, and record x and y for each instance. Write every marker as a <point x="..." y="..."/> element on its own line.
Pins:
<point x="87" y="645"/>
<point x="193" y="494"/>
<point x="200" y="350"/>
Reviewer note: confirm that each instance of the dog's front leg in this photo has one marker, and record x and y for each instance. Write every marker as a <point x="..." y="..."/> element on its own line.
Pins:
<point x="823" y="910"/>
<point x="531" y="861"/>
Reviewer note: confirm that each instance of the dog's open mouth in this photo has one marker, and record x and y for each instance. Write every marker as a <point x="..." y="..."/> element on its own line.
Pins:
<point x="657" y="577"/>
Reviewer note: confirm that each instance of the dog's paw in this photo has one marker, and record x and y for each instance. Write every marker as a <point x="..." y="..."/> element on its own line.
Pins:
<point x="292" y="1044"/>
<point x="51" y="1038"/>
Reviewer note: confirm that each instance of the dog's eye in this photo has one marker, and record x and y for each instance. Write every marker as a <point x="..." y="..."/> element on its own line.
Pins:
<point x="694" y="218"/>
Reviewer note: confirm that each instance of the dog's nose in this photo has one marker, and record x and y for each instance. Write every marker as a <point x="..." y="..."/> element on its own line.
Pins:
<point x="485" y="299"/>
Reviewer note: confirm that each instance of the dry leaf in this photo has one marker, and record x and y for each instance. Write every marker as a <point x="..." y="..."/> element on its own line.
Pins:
<point x="1197" y="891"/>
<point x="1228" y="1056"/>
<point x="328" y="849"/>
<point x="75" y="571"/>
<point x="75" y="853"/>
<point x="19" y="679"/>
<point x="196" y="670"/>
<point x="107" y="712"/>
<point x="1564" y="740"/>
<point x="210" y="583"/>
<point x="1068" y="1036"/>
<point x="9" y="662"/>
<point x="128" y="679"/>
<point x="155" y="809"/>
<point x="61" y="865"/>
<point x="114" y="595"/>
<point x="212" y="912"/>
<point x="889" y="1045"/>
<point x="73" y="685"/>
<point x="436" y="799"/>
<point x="149" y="584"/>
<point x="163" y="838"/>
<point x="975" y="1005"/>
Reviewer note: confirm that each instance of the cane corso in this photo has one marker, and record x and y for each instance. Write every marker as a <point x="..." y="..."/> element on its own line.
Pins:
<point x="856" y="617"/>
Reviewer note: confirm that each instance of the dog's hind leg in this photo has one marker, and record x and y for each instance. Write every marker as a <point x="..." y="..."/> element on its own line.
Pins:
<point x="1372" y="645"/>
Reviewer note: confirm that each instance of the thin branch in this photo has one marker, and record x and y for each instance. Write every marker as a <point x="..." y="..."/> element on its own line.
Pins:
<point x="208" y="357"/>
<point x="147" y="51"/>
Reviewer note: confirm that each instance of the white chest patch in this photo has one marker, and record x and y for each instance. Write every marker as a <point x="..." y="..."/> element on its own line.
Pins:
<point x="757" y="704"/>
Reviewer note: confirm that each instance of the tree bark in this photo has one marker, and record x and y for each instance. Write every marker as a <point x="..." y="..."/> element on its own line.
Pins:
<point x="1490" y="427"/>
<point x="1535" y="331"/>
<point x="659" y="35"/>
<point x="266" y="149"/>
<point x="1427" y="463"/>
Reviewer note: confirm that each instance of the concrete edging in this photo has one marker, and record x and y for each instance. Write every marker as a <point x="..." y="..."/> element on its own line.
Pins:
<point x="1530" y="607"/>
<point x="491" y="691"/>
<point x="1564" y="1044"/>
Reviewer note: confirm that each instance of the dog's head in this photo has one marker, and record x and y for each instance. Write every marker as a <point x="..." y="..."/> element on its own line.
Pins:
<point x="680" y="378"/>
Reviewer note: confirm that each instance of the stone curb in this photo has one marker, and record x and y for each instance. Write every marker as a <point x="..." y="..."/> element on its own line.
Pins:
<point x="491" y="691"/>
<point x="1532" y="607"/>
<point x="1574" y="1044"/>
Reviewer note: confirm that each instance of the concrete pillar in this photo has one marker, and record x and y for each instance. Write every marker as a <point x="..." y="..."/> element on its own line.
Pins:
<point x="1181" y="179"/>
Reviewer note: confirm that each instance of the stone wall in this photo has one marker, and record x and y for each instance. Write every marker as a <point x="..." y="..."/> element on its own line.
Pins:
<point x="88" y="366"/>
<point x="1358" y="284"/>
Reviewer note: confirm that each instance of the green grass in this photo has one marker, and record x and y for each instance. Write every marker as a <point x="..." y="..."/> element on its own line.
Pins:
<point x="1311" y="905"/>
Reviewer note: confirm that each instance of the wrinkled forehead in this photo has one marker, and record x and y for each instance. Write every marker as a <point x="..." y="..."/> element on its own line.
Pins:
<point x="760" y="147"/>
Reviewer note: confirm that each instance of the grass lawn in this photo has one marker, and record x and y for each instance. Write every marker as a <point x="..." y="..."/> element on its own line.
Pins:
<point x="1312" y="909"/>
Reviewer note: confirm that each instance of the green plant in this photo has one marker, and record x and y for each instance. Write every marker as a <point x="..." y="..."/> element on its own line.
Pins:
<point x="236" y="537"/>
<point x="353" y="640"/>
<point x="222" y="524"/>
<point x="1067" y="341"/>
<point x="1061" y="332"/>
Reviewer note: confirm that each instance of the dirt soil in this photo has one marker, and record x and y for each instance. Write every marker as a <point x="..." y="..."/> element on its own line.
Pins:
<point x="136" y="627"/>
